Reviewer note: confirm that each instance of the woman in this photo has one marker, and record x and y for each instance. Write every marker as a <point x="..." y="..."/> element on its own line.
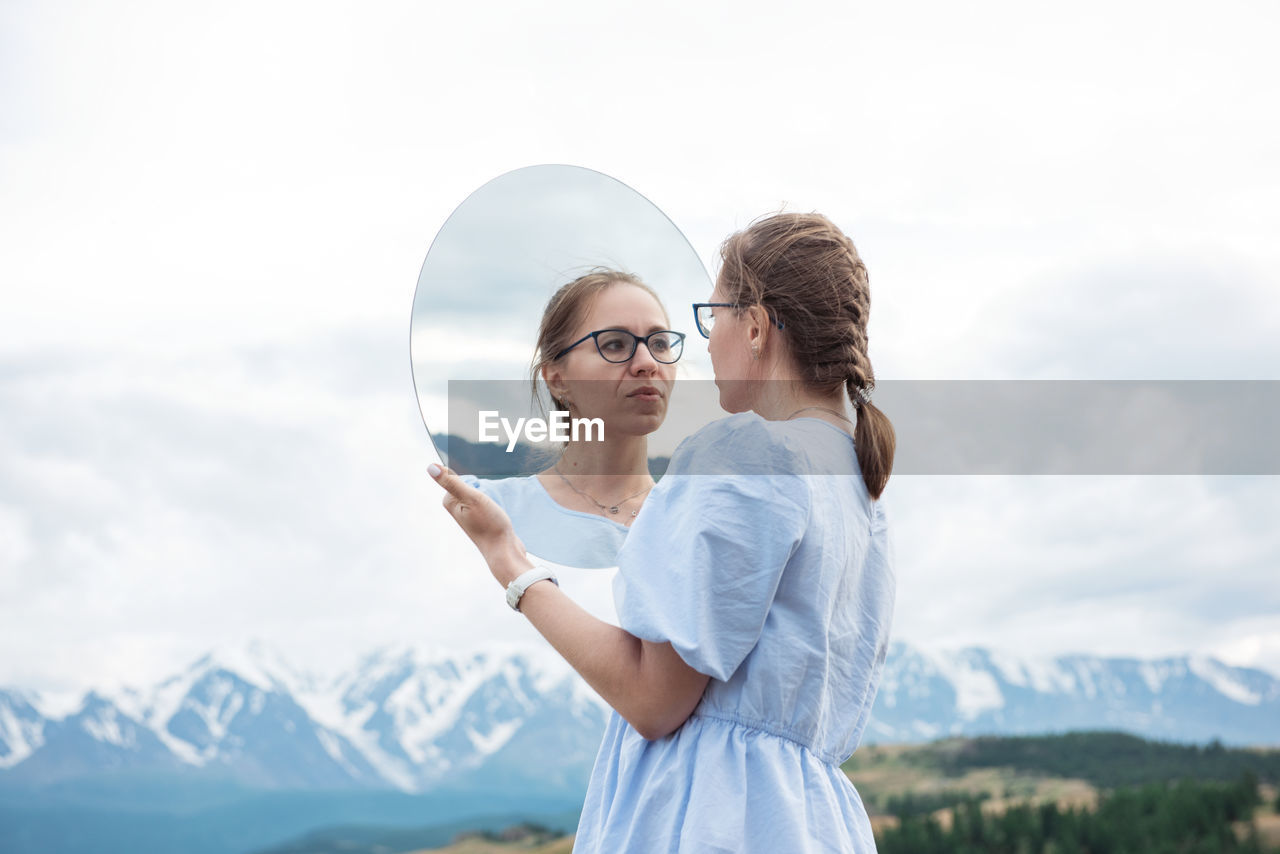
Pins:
<point x="604" y="351"/>
<point x="755" y="591"/>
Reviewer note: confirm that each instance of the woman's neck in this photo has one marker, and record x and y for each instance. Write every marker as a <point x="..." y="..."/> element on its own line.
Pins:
<point x="783" y="394"/>
<point x="614" y="462"/>
<point x="797" y="405"/>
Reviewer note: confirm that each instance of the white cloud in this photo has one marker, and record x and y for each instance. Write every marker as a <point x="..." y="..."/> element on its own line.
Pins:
<point x="212" y="219"/>
<point x="215" y="504"/>
<point x="1121" y="565"/>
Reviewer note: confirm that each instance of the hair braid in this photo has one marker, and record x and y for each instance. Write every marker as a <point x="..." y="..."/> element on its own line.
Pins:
<point x="808" y="274"/>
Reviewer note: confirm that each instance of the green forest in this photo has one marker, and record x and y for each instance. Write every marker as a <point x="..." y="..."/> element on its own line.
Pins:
<point x="1002" y="794"/>
<point x="1185" y="817"/>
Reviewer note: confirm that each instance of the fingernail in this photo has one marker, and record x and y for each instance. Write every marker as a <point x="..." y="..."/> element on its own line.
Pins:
<point x="434" y="470"/>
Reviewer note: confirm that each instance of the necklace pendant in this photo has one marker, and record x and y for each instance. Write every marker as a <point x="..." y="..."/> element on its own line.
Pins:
<point x="613" y="510"/>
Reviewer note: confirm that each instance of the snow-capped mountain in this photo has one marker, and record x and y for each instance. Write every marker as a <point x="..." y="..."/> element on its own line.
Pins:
<point x="22" y="727"/>
<point x="426" y="718"/>
<point x="413" y="719"/>
<point x="929" y="694"/>
<point x="506" y="720"/>
<point x="98" y="737"/>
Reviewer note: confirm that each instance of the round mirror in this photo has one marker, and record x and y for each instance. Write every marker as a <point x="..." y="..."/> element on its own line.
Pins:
<point x="481" y="297"/>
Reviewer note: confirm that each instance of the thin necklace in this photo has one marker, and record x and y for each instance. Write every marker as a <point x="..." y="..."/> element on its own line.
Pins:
<point x="823" y="408"/>
<point x="603" y="509"/>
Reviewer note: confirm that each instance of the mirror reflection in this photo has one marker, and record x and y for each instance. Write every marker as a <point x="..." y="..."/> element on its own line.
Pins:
<point x="549" y="326"/>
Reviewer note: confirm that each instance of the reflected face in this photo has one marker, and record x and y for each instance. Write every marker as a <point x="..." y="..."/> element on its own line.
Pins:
<point x="730" y="353"/>
<point x="630" y="396"/>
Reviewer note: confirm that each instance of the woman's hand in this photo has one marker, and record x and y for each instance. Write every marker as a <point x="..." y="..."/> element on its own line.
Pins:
<point x="487" y="524"/>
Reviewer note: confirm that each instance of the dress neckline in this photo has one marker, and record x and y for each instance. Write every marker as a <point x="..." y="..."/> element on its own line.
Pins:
<point x="569" y="510"/>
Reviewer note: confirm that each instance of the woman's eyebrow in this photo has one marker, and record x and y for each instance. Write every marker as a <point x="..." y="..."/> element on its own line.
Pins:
<point x="657" y="327"/>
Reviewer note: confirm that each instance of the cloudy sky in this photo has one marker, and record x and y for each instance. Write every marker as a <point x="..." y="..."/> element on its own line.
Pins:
<point x="213" y="217"/>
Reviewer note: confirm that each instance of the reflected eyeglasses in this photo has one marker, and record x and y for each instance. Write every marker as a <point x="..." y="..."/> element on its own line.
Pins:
<point x="619" y="345"/>
<point x="704" y="319"/>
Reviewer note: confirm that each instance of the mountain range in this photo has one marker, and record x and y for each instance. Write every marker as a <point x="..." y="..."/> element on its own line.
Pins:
<point x="511" y="720"/>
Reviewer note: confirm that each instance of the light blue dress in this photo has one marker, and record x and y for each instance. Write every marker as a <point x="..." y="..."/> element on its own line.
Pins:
<point x="548" y="529"/>
<point x="778" y="583"/>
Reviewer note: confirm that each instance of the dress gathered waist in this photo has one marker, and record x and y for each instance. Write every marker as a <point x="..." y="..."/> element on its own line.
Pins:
<point x="768" y="729"/>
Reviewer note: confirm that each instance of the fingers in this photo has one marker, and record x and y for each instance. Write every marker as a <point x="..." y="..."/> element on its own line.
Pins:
<point x="449" y="480"/>
<point x="458" y="494"/>
<point x="451" y="503"/>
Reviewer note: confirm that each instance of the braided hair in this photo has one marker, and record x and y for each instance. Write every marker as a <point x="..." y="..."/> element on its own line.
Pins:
<point x="808" y="275"/>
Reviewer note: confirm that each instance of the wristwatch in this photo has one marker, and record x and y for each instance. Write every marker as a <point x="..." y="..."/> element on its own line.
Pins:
<point x="523" y="581"/>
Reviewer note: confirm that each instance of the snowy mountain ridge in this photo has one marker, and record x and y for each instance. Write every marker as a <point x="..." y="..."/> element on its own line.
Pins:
<point x="422" y="719"/>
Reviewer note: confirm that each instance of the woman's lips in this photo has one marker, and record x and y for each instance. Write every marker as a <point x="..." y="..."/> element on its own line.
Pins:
<point x="646" y="393"/>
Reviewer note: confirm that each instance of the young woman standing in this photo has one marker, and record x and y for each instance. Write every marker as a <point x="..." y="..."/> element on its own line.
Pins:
<point x="755" y="589"/>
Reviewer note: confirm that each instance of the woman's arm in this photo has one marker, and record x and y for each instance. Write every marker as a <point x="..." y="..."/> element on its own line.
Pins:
<point x="648" y="683"/>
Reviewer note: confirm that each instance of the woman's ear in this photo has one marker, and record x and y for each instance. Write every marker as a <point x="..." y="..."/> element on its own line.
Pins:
<point x="554" y="378"/>
<point x="757" y="327"/>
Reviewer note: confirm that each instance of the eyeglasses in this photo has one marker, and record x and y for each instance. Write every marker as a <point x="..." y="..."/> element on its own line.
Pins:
<point x="704" y="319"/>
<point x="619" y="345"/>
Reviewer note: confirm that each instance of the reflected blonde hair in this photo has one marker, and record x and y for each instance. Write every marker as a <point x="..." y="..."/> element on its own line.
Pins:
<point x="565" y="312"/>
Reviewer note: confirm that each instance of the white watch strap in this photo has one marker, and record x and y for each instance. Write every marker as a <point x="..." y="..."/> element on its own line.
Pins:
<point x="522" y="583"/>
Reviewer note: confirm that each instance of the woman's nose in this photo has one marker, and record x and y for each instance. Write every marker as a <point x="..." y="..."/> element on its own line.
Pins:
<point x="643" y="360"/>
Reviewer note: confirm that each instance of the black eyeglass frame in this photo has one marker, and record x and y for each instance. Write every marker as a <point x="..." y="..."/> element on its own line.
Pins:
<point x="706" y="333"/>
<point x="636" y="341"/>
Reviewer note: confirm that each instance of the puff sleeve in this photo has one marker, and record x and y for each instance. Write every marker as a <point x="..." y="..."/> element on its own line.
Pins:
<point x="706" y="554"/>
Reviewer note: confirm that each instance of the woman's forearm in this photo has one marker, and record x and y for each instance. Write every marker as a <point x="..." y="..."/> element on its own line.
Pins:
<point x="647" y="683"/>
